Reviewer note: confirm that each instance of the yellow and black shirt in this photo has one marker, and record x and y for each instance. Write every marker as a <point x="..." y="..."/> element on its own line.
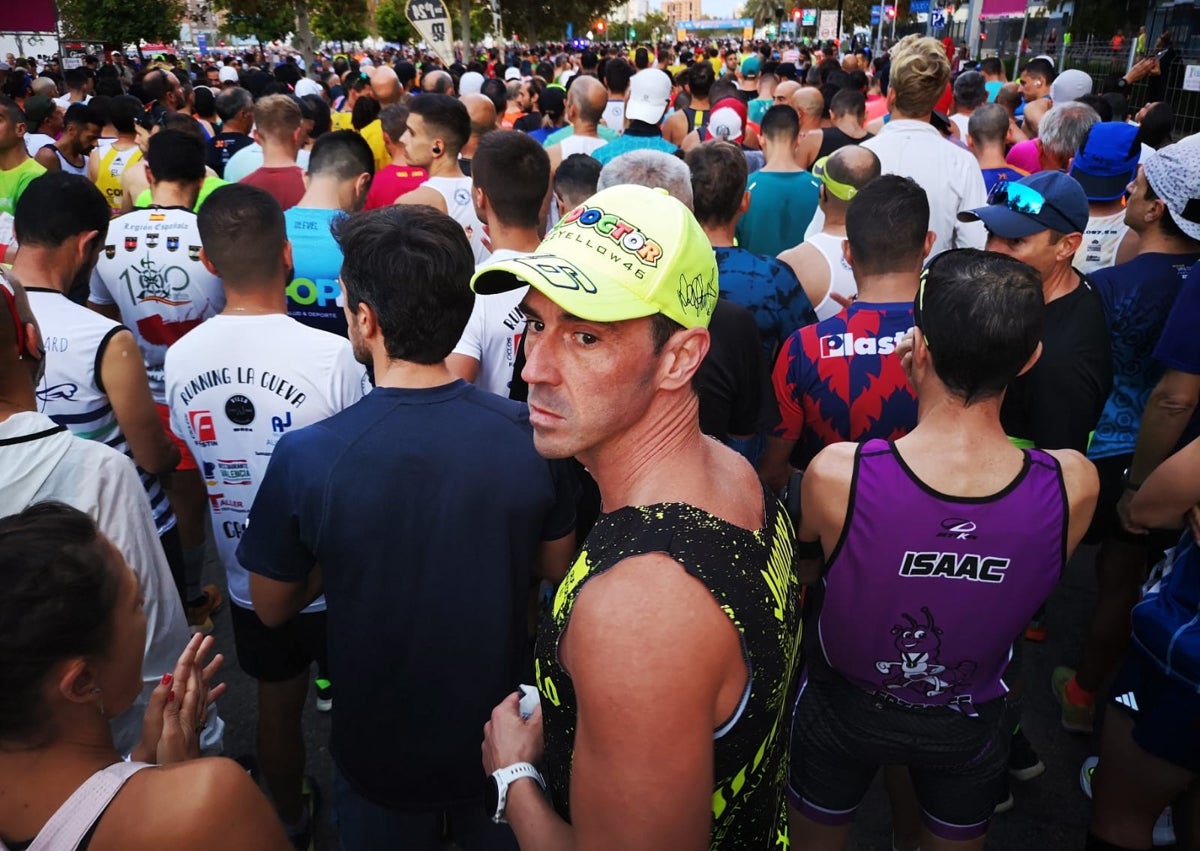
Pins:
<point x="751" y="576"/>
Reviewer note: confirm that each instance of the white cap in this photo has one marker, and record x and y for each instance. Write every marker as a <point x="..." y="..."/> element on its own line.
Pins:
<point x="470" y="83"/>
<point x="725" y="123"/>
<point x="228" y="74"/>
<point x="649" y="93"/>
<point x="512" y="74"/>
<point x="1071" y="84"/>
<point x="307" y="86"/>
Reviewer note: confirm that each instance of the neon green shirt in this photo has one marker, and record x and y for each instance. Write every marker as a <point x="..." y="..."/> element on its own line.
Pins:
<point x="210" y="183"/>
<point x="13" y="183"/>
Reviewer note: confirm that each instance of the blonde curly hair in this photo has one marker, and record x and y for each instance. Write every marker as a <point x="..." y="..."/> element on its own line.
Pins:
<point x="920" y="72"/>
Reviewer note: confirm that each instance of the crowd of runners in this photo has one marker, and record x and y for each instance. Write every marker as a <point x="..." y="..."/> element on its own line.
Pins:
<point x="634" y="448"/>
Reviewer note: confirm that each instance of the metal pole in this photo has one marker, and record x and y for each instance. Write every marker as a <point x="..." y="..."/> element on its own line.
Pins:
<point x="973" y="27"/>
<point x="1021" y="41"/>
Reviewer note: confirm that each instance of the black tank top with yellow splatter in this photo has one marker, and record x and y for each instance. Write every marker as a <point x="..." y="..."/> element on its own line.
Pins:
<point x="751" y="577"/>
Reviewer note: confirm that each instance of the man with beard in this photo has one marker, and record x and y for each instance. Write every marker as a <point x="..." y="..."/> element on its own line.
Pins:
<point x="95" y="380"/>
<point x="82" y="126"/>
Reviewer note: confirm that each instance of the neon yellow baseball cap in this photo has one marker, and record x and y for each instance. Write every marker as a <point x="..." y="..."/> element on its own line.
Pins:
<point x="627" y="252"/>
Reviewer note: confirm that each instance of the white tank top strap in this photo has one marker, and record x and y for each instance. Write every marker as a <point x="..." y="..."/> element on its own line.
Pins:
<point x="841" y="276"/>
<point x="67" y="827"/>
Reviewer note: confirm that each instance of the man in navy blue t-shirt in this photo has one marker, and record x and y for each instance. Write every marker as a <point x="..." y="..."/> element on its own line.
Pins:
<point x="1137" y="298"/>
<point x="1165" y="422"/>
<point x="421" y="512"/>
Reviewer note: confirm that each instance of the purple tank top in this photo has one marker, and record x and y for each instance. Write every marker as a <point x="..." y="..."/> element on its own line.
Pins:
<point x="925" y="593"/>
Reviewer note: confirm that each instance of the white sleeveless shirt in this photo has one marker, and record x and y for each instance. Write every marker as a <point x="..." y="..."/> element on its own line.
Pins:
<point x="841" y="276"/>
<point x="70" y="392"/>
<point x="457" y="193"/>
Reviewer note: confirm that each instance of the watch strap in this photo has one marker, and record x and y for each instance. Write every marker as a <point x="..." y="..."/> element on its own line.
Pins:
<point x="504" y="777"/>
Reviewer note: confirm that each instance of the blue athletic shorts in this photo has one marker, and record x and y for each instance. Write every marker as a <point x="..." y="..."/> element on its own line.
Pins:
<point x="1165" y="712"/>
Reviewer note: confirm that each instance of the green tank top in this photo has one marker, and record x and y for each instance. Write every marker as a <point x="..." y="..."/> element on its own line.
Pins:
<point x="752" y="579"/>
<point x="206" y="189"/>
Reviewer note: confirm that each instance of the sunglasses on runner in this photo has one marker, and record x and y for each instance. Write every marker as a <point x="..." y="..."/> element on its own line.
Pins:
<point x="1021" y="199"/>
<point x="919" y="303"/>
<point x="843" y="191"/>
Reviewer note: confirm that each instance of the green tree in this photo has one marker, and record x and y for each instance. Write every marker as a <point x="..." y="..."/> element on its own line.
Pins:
<point x="265" y="20"/>
<point x="645" y="27"/>
<point x="122" y="22"/>
<point x="391" y="24"/>
<point x="548" y="19"/>
<point x="763" y="11"/>
<point x="340" y="20"/>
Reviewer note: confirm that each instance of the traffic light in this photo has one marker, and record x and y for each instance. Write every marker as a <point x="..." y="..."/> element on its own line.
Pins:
<point x="795" y="14"/>
<point x="891" y="13"/>
<point x="600" y="26"/>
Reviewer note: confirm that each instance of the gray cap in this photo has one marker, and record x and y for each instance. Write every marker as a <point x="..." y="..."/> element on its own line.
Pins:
<point x="1173" y="173"/>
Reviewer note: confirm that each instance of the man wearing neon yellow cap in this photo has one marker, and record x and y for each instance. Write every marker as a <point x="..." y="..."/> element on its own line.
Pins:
<point x="664" y="702"/>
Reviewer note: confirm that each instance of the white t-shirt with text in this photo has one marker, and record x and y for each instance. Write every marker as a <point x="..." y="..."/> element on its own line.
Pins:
<point x="150" y="269"/>
<point x="235" y="385"/>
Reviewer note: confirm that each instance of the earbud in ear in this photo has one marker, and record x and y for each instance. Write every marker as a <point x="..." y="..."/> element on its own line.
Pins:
<point x="436" y="150"/>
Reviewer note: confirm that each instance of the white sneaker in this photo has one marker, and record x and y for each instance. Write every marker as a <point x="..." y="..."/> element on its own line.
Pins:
<point x="1164" y="828"/>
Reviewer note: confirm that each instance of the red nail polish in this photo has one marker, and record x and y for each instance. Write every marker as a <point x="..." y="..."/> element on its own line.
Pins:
<point x="166" y="680"/>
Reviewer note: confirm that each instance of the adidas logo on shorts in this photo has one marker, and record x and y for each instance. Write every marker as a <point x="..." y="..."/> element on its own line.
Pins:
<point x="1128" y="700"/>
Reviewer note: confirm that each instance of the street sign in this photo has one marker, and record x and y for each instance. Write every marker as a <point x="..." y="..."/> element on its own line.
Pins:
<point x="202" y="43"/>
<point x="917" y="6"/>
<point x="432" y="20"/>
<point x="1191" y="78"/>
<point x="828" y="25"/>
<point x="876" y="12"/>
<point x="937" y="20"/>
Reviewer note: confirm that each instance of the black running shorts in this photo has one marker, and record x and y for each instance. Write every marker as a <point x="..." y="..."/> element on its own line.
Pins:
<point x="842" y="735"/>
<point x="279" y="654"/>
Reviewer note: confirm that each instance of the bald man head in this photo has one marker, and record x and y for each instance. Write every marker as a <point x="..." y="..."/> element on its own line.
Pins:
<point x="586" y="101"/>
<point x="785" y="90"/>
<point x="385" y="85"/>
<point x="482" y="112"/>
<point x="809" y="104"/>
<point x="438" y="82"/>
<point x="851" y="165"/>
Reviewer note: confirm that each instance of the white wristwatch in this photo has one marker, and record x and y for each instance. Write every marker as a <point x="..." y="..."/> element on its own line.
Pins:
<point x="501" y="778"/>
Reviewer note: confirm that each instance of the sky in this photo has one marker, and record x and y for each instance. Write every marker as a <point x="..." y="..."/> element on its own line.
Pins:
<point x="716" y="8"/>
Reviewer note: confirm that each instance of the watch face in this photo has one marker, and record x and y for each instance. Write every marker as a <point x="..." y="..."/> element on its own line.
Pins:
<point x="491" y="796"/>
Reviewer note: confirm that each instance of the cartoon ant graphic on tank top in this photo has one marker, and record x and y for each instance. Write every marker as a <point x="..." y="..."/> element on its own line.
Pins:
<point x="919" y="667"/>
